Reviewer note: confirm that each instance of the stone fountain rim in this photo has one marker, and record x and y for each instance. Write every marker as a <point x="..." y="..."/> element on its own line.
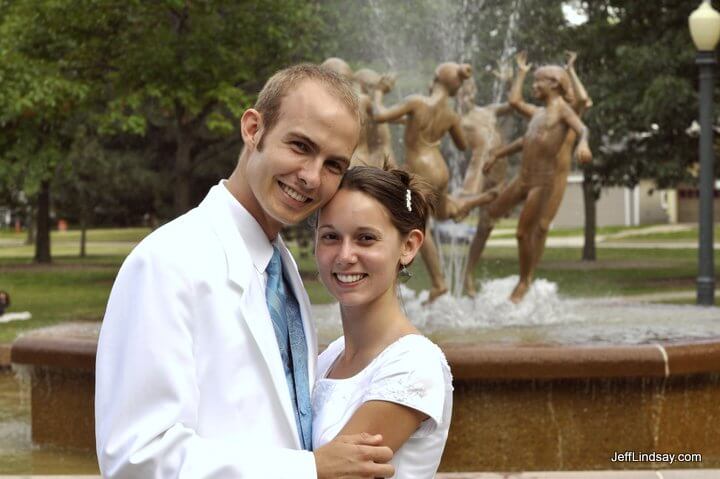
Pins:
<point x="486" y="361"/>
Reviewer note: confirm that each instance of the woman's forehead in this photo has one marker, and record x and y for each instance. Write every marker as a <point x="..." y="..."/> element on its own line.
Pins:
<point x="356" y="207"/>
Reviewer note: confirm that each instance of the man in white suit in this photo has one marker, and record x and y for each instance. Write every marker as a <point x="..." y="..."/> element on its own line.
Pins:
<point x="196" y="376"/>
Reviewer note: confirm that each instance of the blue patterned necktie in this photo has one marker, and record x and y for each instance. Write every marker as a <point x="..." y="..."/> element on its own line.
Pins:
<point x="287" y="323"/>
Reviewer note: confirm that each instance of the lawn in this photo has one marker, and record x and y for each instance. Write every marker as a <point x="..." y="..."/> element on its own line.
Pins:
<point x="74" y="288"/>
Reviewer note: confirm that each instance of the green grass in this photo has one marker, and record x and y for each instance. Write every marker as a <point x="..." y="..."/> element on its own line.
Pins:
<point x="74" y="288"/>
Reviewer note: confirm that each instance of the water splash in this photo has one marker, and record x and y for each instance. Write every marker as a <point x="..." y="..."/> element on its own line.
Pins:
<point x="543" y="317"/>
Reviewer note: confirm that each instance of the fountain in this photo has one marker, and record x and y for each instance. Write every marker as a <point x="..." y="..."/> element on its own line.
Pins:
<point x="560" y="384"/>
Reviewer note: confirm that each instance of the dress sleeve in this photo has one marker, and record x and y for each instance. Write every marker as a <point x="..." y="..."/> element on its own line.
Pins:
<point x="414" y="374"/>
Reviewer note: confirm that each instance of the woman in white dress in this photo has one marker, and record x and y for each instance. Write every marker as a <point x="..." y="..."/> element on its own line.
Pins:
<point x="382" y="376"/>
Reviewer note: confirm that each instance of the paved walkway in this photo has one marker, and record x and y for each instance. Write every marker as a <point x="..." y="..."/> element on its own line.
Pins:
<point x="613" y="240"/>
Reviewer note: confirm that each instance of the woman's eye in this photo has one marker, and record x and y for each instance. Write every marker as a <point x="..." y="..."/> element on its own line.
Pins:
<point x="367" y="238"/>
<point x="328" y="236"/>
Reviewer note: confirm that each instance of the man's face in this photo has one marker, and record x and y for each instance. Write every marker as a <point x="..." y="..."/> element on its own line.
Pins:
<point x="303" y="157"/>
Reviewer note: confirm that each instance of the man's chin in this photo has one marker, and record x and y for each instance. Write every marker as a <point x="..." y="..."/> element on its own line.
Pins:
<point x="292" y="217"/>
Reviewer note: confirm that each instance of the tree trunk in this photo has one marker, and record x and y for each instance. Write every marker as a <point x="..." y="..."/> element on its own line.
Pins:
<point x="83" y="235"/>
<point x="42" y="239"/>
<point x="589" y="201"/>
<point x="182" y="171"/>
<point x="30" y="238"/>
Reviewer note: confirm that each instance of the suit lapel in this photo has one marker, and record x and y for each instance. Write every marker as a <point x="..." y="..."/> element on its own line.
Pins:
<point x="254" y="311"/>
<point x="253" y="308"/>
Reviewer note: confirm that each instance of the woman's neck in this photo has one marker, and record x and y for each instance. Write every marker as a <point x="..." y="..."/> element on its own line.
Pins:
<point x="369" y="328"/>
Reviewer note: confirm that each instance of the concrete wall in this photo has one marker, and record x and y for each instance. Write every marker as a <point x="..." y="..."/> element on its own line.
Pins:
<point x="617" y="206"/>
<point x="688" y="204"/>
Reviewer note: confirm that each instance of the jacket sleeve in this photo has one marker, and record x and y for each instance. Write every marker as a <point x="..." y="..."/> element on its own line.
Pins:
<point x="147" y="396"/>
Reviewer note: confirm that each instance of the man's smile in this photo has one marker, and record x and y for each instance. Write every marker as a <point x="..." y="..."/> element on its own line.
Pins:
<point x="294" y="194"/>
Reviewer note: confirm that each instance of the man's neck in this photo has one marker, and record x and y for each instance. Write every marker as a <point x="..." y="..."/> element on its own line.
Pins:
<point x="240" y="189"/>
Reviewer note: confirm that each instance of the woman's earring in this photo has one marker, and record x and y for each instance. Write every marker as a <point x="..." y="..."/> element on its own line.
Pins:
<point x="404" y="275"/>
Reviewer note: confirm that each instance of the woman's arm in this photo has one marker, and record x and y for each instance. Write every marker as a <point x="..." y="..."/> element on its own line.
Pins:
<point x="373" y="416"/>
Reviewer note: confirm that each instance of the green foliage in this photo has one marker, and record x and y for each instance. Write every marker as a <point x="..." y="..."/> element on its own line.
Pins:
<point x="643" y="83"/>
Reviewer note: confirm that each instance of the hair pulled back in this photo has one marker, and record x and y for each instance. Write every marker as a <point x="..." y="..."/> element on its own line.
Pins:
<point x="389" y="186"/>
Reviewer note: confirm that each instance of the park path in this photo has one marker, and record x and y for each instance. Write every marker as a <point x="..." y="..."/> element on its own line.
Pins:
<point x="613" y="240"/>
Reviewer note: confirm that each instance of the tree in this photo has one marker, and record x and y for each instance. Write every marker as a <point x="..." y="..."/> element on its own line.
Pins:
<point x="185" y="71"/>
<point x="643" y="83"/>
<point x="36" y="103"/>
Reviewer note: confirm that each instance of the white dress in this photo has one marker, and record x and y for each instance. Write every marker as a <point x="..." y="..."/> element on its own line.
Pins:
<point x="413" y="372"/>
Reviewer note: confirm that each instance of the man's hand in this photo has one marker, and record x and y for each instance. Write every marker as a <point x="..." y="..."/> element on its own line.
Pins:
<point x="521" y="60"/>
<point x="354" y="456"/>
<point x="583" y="153"/>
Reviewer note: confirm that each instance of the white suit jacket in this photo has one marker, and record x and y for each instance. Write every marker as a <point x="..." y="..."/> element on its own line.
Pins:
<point x="189" y="379"/>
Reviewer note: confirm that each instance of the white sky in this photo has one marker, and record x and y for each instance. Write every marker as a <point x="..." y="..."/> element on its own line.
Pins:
<point x="572" y="14"/>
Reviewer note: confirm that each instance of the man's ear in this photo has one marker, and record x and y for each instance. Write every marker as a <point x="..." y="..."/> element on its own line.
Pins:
<point x="251" y="127"/>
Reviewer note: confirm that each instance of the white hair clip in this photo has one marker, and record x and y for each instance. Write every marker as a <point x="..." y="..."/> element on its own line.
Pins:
<point x="408" y="201"/>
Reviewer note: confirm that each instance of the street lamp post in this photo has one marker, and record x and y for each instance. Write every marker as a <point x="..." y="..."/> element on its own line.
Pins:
<point x="705" y="31"/>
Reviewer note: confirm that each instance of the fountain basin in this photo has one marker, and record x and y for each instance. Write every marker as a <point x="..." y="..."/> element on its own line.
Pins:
<point x="59" y="363"/>
<point x="573" y="407"/>
<point x="517" y="407"/>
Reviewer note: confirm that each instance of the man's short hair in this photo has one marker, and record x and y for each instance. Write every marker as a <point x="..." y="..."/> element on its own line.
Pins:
<point x="271" y="96"/>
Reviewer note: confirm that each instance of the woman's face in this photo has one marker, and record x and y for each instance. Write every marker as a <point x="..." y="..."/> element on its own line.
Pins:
<point x="357" y="248"/>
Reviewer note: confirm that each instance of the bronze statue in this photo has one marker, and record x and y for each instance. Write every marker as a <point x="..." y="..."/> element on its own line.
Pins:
<point x="546" y="150"/>
<point x="361" y="156"/>
<point x="428" y="118"/>
<point x="480" y="124"/>
<point x="379" y="140"/>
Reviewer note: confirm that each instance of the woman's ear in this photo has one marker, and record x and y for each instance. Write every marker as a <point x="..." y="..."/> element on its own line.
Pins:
<point x="251" y="127"/>
<point x="411" y="245"/>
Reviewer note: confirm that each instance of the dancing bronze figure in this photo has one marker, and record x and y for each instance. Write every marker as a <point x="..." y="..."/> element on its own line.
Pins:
<point x="484" y="134"/>
<point x="428" y="118"/>
<point x="361" y="155"/>
<point x="379" y="139"/>
<point x="545" y="148"/>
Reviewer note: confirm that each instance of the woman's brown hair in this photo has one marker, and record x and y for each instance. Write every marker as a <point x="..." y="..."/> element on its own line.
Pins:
<point x="390" y="188"/>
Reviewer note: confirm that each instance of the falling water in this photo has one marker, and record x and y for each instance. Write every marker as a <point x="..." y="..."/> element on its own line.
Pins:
<point x="508" y="48"/>
<point x="456" y="30"/>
